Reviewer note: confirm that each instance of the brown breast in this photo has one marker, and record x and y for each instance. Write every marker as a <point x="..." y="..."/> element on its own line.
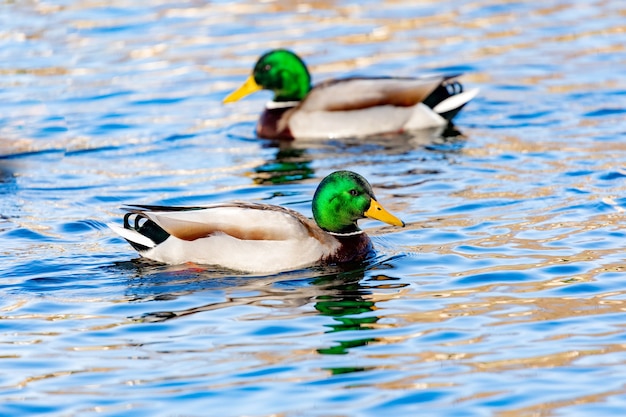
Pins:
<point x="353" y="249"/>
<point x="273" y="124"/>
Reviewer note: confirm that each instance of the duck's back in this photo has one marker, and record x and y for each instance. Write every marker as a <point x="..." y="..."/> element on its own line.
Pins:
<point x="242" y="236"/>
<point x="359" y="107"/>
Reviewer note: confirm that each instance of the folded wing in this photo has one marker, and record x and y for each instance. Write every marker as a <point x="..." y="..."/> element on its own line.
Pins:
<point x="243" y="221"/>
<point x="360" y="93"/>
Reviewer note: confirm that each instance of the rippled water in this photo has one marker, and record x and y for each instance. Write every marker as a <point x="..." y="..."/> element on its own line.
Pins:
<point x="504" y="295"/>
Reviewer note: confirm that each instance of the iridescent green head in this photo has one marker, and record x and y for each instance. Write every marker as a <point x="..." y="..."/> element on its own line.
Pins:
<point x="344" y="197"/>
<point x="280" y="71"/>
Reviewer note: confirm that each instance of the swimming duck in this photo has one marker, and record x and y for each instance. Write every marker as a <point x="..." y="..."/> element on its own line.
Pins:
<point x="261" y="238"/>
<point x="348" y="107"/>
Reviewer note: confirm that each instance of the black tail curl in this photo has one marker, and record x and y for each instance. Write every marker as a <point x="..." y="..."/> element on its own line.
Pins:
<point x="450" y="87"/>
<point x="137" y="221"/>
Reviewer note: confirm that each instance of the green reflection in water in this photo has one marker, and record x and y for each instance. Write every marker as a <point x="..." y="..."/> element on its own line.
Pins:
<point x="343" y="301"/>
<point x="288" y="165"/>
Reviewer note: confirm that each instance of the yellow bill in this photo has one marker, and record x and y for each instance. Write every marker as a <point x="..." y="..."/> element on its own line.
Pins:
<point x="378" y="212"/>
<point x="249" y="87"/>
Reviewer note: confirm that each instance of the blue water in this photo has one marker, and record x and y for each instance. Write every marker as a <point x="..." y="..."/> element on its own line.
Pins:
<point x="504" y="295"/>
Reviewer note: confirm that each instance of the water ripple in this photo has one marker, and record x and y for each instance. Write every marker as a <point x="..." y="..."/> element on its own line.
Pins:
<point x="503" y="295"/>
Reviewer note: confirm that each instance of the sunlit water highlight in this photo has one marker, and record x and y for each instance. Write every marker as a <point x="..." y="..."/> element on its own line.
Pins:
<point x="504" y="295"/>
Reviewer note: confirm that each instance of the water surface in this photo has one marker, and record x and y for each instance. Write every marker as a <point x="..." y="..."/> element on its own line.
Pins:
<point x="502" y="296"/>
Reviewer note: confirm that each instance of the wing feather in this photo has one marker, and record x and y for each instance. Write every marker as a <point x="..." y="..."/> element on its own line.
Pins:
<point x="360" y="93"/>
<point x="245" y="221"/>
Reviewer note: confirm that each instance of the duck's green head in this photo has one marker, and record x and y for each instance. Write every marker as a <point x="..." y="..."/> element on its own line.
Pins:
<point x="280" y="71"/>
<point x="344" y="197"/>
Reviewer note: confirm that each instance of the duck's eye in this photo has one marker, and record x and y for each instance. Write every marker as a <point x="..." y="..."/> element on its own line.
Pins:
<point x="354" y="193"/>
<point x="267" y="67"/>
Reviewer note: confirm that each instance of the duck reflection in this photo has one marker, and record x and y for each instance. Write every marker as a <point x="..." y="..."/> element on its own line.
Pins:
<point x="348" y="301"/>
<point x="289" y="164"/>
<point x="294" y="160"/>
<point x="8" y="183"/>
<point x="9" y="208"/>
<point x="343" y="300"/>
<point x="342" y="294"/>
<point x="151" y="281"/>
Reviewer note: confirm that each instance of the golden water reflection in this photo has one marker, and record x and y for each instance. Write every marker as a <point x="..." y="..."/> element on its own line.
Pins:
<point x="510" y="268"/>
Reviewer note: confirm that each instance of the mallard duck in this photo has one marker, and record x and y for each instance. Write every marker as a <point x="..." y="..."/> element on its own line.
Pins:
<point x="261" y="238"/>
<point x="349" y="107"/>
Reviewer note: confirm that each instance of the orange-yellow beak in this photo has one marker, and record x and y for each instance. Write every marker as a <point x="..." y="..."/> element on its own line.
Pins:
<point x="248" y="87"/>
<point x="378" y="212"/>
